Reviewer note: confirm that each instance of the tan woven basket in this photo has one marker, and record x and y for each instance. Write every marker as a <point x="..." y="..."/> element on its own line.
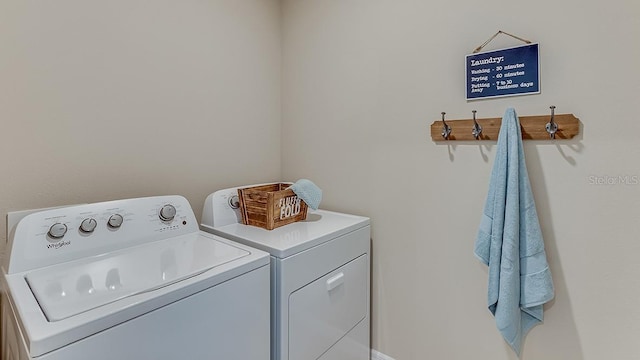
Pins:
<point x="271" y="206"/>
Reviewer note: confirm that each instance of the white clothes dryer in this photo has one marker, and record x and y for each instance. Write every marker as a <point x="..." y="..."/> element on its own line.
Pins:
<point x="131" y="279"/>
<point x="320" y="276"/>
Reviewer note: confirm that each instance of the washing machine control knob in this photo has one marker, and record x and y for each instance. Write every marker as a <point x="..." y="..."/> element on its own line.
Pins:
<point x="115" y="221"/>
<point x="57" y="230"/>
<point x="167" y="212"/>
<point x="88" y="225"/>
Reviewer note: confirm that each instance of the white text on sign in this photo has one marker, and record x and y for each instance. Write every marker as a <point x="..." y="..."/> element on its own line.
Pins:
<point x="289" y="206"/>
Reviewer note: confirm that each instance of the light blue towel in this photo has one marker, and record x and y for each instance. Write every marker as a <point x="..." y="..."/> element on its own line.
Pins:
<point x="510" y="241"/>
<point x="309" y="192"/>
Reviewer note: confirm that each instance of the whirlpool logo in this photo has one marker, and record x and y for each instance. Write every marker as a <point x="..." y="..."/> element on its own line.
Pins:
<point x="58" y="245"/>
<point x="614" y="180"/>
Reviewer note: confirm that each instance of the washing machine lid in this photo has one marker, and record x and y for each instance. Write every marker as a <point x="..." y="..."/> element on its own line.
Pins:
<point x="68" y="289"/>
<point x="319" y="227"/>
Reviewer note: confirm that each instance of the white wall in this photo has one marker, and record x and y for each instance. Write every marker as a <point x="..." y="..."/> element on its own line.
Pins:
<point x="362" y="82"/>
<point x="102" y="100"/>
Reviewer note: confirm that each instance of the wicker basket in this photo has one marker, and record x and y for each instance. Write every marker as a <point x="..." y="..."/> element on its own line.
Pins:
<point x="271" y="206"/>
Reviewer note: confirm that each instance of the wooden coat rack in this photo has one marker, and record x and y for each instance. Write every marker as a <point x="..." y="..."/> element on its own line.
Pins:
<point x="533" y="128"/>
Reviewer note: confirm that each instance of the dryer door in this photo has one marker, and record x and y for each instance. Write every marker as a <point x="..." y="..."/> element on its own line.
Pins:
<point x="321" y="313"/>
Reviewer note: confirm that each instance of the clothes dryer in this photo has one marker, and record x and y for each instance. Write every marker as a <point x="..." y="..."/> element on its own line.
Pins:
<point x="320" y="276"/>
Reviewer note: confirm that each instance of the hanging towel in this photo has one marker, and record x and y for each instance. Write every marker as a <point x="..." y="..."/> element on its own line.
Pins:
<point x="309" y="192"/>
<point x="510" y="241"/>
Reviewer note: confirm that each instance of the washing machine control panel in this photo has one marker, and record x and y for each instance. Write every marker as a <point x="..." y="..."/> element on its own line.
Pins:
<point x="68" y="233"/>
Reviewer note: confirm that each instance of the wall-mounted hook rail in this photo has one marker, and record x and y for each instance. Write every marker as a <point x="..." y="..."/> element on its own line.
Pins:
<point x="533" y="128"/>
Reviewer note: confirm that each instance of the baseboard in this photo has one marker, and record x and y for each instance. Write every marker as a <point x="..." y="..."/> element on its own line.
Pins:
<point x="377" y="355"/>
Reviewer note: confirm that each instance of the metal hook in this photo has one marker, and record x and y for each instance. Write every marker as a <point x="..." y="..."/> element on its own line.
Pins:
<point x="477" y="129"/>
<point x="446" y="129"/>
<point x="552" y="127"/>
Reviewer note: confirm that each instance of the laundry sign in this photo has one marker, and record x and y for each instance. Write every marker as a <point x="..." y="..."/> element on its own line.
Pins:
<point x="505" y="72"/>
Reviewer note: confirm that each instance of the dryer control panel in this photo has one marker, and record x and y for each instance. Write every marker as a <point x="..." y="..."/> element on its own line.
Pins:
<point x="63" y="234"/>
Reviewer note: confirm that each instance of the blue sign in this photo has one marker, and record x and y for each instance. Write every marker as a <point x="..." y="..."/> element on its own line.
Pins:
<point x="506" y="72"/>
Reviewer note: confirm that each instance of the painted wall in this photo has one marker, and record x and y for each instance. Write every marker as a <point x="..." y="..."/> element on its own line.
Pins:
<point x="102" y="100"/>
<point x="133" y="98"/>
<point x="362" y="82"/>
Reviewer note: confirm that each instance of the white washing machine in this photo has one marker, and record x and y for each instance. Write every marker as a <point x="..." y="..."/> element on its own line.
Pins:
<point x="319" y="279"/>
<point x="131" y="279"/>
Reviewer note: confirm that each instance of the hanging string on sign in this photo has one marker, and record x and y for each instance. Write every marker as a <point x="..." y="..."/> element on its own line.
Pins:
<point x="495" y="35"/>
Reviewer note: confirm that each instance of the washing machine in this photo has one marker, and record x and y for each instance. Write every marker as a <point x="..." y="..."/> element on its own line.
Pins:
<point x="131" y="279"/>
<point x="320" y="278"/>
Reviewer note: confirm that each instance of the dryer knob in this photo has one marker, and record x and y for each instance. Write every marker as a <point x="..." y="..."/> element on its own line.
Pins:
<point x="88" y="225"/>
<point x="57" y="230"/>
<point x="168" y="212"/>
<point x="115" y="221"/>
<point x="234" y="202"/>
